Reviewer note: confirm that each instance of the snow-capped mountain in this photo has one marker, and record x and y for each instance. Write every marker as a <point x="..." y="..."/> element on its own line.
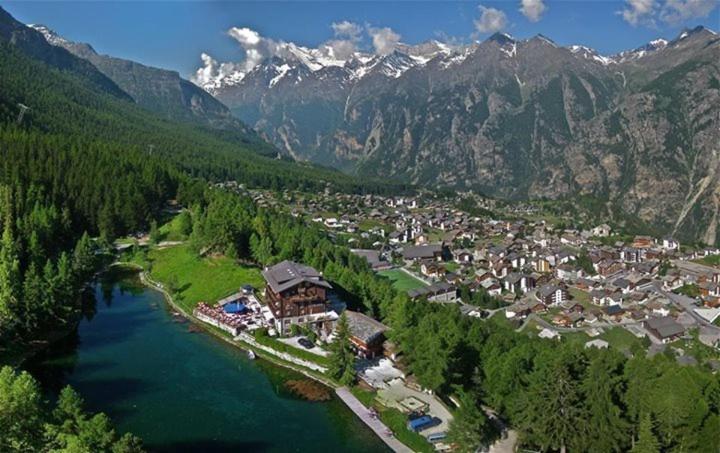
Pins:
<point x="314" y="63"/>
<point x="642" y="51"/>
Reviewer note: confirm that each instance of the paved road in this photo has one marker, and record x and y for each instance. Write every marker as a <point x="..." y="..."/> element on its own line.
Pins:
<point x="374" y="423"/>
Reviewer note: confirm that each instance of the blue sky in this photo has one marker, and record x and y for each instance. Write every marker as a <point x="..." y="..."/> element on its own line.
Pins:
<point x="174" y="34"/>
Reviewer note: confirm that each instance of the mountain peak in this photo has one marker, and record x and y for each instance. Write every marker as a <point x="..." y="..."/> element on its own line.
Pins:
<point x="50" y="35"/>
<point x="543" y="39"/>
<point x="55" y="39"/>
<point x="501" y="38"/>
<point x="699" y="30"/>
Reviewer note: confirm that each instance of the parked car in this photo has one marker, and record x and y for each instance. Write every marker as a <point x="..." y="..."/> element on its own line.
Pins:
<point x="436" y="437"/>
<point x="305" y="343"/>
<point x="423" y="423"/>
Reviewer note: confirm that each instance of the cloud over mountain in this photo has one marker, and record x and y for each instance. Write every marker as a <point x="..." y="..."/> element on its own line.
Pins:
<point x="671" y="12"/>
<point x="533" y="9"/>
<point x="491" y="20"/>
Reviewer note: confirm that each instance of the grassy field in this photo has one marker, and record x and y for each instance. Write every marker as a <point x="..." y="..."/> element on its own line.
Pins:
<point x="200" y="279"/>
<point x="401" y="280"/>
<point x="171" y="231"/>
<point x="712" y="260"/>
<point x="365" y="396"/>
<point x="397" y="422"/>
<point x="581" y="297"/>
<point x="690" y="290"/>
<point x="618" y="338"/>
<point x="621" y="339"/>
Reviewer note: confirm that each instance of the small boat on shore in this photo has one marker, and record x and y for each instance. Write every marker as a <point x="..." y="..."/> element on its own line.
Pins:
<point x="251" y="355"/>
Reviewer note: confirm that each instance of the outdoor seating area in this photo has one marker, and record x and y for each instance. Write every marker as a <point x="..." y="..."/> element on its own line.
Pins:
<point x="234" y="314"/>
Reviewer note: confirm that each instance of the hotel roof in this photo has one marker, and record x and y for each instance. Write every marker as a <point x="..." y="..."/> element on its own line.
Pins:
<point x="287" y="274"/>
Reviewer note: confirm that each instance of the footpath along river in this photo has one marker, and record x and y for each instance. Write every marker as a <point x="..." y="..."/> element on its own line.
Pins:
<point x="184" y="391"/>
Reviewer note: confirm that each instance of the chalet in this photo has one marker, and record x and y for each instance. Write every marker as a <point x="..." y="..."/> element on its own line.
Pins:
<point x="552" y="294"/>
<point x="366" y="334"/>
<point x="432" y="269"/>
<point x="492" y="287"/>
<point x="516" y="282"/>
<point x="541" y="265"/>
<point x="518" y="310"/>
<point x="516" y="260"/>
<point x="601" y="230"/>
<point x="615" y="311"/>
<point x="412" y="254"/>
<point x="297" y="294"/>
<point x="568" y="272"/>
<point x="549" y="334"/>
<point x="631" y="255"/>
<point x="672" y="282"/>
<point x="376" y="261"/>
<point x="625" y="285"/>
<point x="437" y="292"/>
<point x="643" y="242"/>
<point x="665" y="329"/>
<point x="463" y="256"/>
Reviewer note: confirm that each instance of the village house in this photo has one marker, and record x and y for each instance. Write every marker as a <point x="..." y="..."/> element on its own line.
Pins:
<point x="463" y="256"/>
<point x="366" y="334"/>
<point x="552" y="294"/>
<point x="665" y="329"/>
<point x="432" y="269"/>
<point x="376" y="261"/>
<point x="568" y="272"/>
<point x="437" y="292"/>
<point x="516" y="282"/>
<point x="416" y="253"/>
<point x="601" y="230"/>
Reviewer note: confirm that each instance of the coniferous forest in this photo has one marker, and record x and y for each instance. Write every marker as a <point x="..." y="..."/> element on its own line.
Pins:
<point x="84" y="165"/>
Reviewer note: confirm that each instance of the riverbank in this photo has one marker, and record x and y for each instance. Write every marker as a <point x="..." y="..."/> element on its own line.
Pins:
<point x="350" y="401"/>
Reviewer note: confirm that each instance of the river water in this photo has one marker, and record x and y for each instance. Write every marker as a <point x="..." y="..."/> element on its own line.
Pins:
<point x="187" y="391"/>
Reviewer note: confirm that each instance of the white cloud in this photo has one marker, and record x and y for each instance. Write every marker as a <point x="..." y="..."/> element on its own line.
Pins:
<point x="532" y="9"/>
<point x="339" y="49"/>
<point x="639" y="11"/>
<point x="678" y="11"/>
<point x="384" y="40"/>
<point x="347" y="29"/>
<point x="348" y="35"/>
<point x="672" y="12"/>
<point x="212" y="71"/>
<point x="245" y="36"/>
<point x="491" y="20"/>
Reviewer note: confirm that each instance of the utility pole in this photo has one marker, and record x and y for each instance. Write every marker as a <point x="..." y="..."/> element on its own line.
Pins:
<point x="23" y="108"/>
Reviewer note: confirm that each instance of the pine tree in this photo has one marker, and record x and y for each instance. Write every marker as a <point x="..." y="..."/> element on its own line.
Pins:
<point x="185" y="223"/>
<point x="9" y="276"/>
<point x="342" y="358"/>
<point x="553" y="413"/>
<point x="33" y="298"/>
<point x="607" y="430"/>
<point x="84" y="260"/>
<point x="647" y="442"/>
<point x="154" y="233"/>
<point x="469" y="428"/>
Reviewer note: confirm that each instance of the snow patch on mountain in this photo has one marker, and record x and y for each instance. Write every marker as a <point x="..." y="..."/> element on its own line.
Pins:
<point x="50" y="35"/>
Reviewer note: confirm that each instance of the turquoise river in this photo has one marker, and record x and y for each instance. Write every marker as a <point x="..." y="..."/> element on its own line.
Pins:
<point x="187" y="391"/>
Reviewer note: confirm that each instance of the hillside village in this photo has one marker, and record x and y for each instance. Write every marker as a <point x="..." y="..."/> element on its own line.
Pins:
<point x="513" y="264"/>
<point x="559" y="281"/>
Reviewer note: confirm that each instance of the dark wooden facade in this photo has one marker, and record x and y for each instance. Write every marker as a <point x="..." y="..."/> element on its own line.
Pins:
<point x="302" y="299"/>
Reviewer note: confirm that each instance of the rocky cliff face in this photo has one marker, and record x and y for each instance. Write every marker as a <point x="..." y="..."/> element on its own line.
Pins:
<point x="511" y="118"/>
